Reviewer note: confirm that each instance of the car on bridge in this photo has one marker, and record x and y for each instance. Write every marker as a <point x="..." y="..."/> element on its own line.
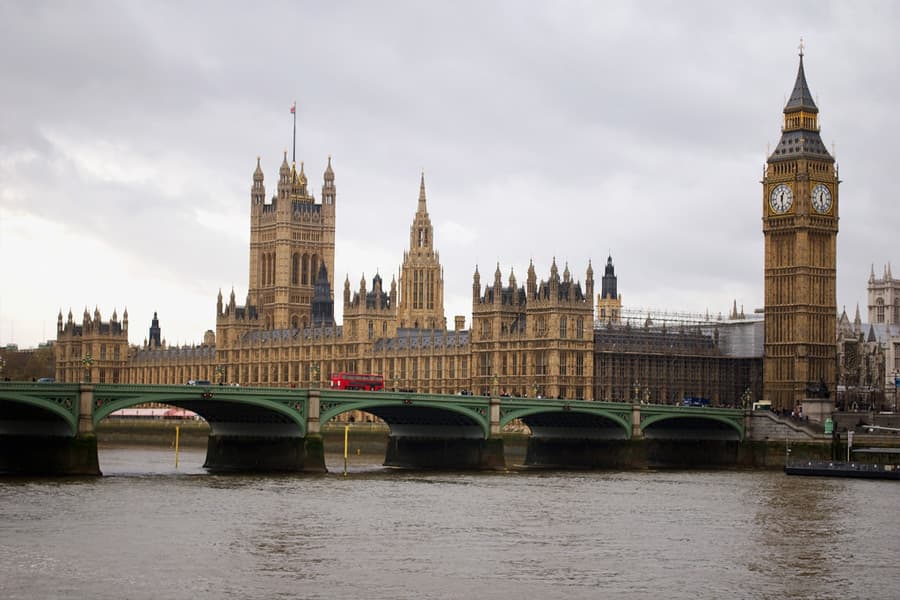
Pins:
<point x="694" y="401"/>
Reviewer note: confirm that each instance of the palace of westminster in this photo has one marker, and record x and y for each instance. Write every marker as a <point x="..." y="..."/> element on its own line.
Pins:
<point x="551" y="337"/>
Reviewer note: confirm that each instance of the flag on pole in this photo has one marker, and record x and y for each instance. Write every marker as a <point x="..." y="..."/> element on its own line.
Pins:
<point x="294" y="108"/>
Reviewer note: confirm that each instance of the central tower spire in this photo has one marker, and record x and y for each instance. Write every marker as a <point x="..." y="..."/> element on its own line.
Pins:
<point x="421" y="277"/>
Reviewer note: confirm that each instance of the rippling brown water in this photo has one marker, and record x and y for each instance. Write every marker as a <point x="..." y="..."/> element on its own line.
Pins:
<point x="149" y="531"/>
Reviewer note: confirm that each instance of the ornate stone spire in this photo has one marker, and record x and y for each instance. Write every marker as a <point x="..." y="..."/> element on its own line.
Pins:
<point x="422" y="208"/>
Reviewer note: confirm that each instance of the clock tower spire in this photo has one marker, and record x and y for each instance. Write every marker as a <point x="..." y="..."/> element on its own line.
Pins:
<point x="800" y="226"/>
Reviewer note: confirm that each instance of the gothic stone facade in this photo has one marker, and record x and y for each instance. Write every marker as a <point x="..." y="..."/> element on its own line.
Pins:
<point x="534" y="340"/>
<point x="884" y="317"/>
<point x="538" y="339"/>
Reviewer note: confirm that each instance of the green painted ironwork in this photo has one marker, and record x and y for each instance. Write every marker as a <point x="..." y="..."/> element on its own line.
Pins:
<point x="656" y="413"/>
<point x="336" y="402"/>
<point x="290" y="402"/>
<point x="517" y="408"/>
<point x="61" y="399"/>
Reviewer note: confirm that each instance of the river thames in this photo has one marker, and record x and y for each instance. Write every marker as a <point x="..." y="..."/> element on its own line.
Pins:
<point x="147" y="530"/>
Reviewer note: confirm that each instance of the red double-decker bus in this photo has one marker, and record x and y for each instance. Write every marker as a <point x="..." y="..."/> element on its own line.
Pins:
<point x="357" y="381"/>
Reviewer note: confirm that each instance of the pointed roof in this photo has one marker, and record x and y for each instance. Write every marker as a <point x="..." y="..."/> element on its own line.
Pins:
<point x="800" y="134"/>
<point x="801" y="98"/>
<point x="422" y="207"/>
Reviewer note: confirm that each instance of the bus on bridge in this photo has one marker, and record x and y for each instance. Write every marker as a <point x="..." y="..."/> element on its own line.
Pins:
<point x="357" y="381"/>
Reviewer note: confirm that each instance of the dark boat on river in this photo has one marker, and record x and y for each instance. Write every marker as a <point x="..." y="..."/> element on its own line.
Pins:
<point x="877" y="463"/>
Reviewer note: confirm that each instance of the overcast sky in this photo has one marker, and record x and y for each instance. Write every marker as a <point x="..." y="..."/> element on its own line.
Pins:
<point x="129" y="132"/>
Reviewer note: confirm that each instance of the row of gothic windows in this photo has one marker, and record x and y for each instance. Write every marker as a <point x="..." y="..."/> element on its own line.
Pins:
<point x="304" y="268"/>
<point x="423" y="290"/>
<point x="880" y="312"/>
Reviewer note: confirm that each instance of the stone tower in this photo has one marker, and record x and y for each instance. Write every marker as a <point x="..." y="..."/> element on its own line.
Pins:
<point x="370" y="314"/>
<point x="290" y="238"/>
<point x="535" y="340"/>
<point x="94" y="350"/>
<point x="800" y="226"/>
<point x="421" y="276"/>
<point x="884" y="297"/>
<point x="609" y="301"/>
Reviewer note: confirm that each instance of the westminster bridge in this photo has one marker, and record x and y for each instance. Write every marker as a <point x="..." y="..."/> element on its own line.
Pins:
<point x="49" y="428"/>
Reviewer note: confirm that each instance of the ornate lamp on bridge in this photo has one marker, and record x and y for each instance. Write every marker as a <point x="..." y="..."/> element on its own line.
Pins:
<point x="87" y="362"/>
<point x="494" y="385"/>
<point x="220" y="374"/>
<point x="314" y="374"/>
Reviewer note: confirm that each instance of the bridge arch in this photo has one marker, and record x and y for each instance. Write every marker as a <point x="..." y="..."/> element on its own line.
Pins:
<point x="409" y="415"/>
<point x="582" y="421"/>
<point x="723" y="427"/>
<point x="217" y="405"/>
<point x="45" y="410"/>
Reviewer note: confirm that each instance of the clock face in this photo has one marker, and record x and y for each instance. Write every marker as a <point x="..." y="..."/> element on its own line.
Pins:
<point x="821" y="198"/>
<point x="781" y="199"/>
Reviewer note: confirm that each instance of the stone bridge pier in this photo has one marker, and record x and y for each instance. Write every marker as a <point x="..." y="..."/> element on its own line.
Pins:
<point x="429" y="438"/>
<point x="236" y="445"/>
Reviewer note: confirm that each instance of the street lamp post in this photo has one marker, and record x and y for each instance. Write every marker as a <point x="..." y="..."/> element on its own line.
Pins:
<point x="87" y="362"/>
<point x="314" y="374"/>
<point x="220" y="374"/>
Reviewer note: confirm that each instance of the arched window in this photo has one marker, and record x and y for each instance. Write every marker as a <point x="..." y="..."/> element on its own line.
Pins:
<point x="304" y="279"/>
<point x="262" y="270"/>
<point x="313" y="268"/>
<point x="295" y="269"/>
<point x="879" y="311"/>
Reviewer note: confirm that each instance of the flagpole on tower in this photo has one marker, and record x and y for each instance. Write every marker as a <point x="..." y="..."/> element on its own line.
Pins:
<point x="294" y="151"/>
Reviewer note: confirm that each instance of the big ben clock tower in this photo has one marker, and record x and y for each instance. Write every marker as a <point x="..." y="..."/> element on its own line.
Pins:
<point x="800" y="225"/>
